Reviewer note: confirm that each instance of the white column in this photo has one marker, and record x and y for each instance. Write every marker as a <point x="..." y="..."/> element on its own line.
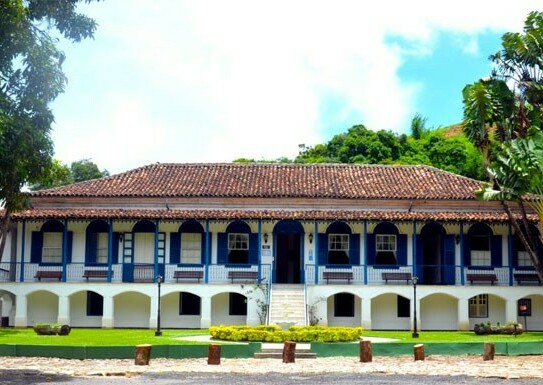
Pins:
<point x="418" y="314"/>
<point x="205" y="317"/>
<point x="107" y="317"/>
<point x="153" y="313"/>
<point x="63" y="310"/>
<point x="21" y="311"/>
<point x="366" y="313"/>
<point x="252" y="312"/>
<point x="463" y="314"/>
<point x="511" y="311"/>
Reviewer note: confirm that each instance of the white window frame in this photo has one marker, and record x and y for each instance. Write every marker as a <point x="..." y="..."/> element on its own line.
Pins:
<point x="52" y="247"/>
<point x="102" y="240"/>
<point x="478" y="306"/>
<point x="338" y="242"/>
<point x="238" y="241"/>
<point x="481" y="257"/>
<point x="523" y="259"/>
<point x="191" y="248"/>
<point x="383" y="242"/>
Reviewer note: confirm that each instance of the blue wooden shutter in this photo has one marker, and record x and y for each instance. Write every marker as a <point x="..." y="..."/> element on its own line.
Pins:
<point x="370" y="249"/>
<point x="36" y="247"/>
<point x="69" y="246"/>
<point x="222" y="248"/>
<point x="418" y="269"/>
<point x="323" y="249"/>
<point x="496" y="250"/>
<point x="253" y="248"/>
<point x="448" y="260"/>
<point x="402" y="249"/>
<point x="115" y="247"/>
<point x="354" y="249"/>
<point x="175" y="247"/>
<point x="91" y="244"/>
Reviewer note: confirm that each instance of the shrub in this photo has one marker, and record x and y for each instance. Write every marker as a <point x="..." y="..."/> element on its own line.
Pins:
<point x="274" y="333"/>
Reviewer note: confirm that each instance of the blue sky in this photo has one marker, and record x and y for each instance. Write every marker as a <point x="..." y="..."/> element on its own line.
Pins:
<point x="211" y="81"/>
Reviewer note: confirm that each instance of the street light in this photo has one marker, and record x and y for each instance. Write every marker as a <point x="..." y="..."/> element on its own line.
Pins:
<point x="415" y="334"/>
<point x="158" y="331"/>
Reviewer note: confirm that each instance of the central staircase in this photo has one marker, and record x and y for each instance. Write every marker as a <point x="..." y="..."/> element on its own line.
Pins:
<point x="287" y="305"/>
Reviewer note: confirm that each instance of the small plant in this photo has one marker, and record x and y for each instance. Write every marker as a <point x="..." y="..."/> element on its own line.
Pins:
<point x="312" y="312"/>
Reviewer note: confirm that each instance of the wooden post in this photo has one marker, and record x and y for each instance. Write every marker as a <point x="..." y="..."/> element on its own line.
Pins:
<point x="214" y="355"/>
<point x="143" y="354"/>
<point x="419" y="352"/>
<point x="289" y="351"/>
<point x="365" y="351"/>
<point x="488" y="354"/>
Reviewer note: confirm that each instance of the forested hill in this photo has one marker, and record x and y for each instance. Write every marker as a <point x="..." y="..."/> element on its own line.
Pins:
<point x="444" y="148"/>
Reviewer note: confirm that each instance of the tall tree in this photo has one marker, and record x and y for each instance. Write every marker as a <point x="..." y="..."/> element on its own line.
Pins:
<point x="31" y="78"/>
<point x="85" y="169"/>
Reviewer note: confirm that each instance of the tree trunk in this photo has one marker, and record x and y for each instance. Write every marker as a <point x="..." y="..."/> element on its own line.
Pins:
<point x="418" y="351"/>
<point x="4" y="229"/>
<point x="365" y="351"/>
<point x="143" y="354"/>
<point x="214" y="355"/>
<point x="489" y="350"/>
<point x="289" y="352"/>
<point x="52" y="329"/>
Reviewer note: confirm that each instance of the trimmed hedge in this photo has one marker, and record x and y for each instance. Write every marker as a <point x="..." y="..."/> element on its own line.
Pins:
<point x="274" y="333"/>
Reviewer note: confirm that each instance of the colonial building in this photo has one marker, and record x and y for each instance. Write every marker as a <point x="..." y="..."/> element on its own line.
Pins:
<point x="257" y="243"/>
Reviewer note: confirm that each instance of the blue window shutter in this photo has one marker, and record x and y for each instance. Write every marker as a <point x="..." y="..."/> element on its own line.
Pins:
<point x="449" y="269"/>
<point x="253" y="248"/>
<point x="370" y="249"/>
<point x="115" y="248"/>
<point x="36" y="246"/>
<point x="222" y="248"/>
<point x="496" y="250"/>
<point x="323" y="249"/>
<point x="69" y="246"/>
<point x="354" y="249"/>
<point x="418" y="268"/>
<point x="91" y="244"/>
<point x="175" y="247"/>
<point x="402" y="249"/>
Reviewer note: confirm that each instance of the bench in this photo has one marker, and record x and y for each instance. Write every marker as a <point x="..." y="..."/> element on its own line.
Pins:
<point x="482" y="278"/>
<point x="526" y="277"/>
<point x="96" y="274"/>
<point x="188" y="274"/>
<point x="245" y="275"/>
<point x="338" y="275"/>
<point x="395" y="276"/>
<point x="48" y="274"/>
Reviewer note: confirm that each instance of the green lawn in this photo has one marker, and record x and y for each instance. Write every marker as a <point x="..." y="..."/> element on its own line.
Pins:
<point x="99" y="337"/>
<point x="451" y="337"/>
<point x="132" y="337"/>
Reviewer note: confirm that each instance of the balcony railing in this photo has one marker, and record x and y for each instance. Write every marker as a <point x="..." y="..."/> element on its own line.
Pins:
<point x="346" y="274"/>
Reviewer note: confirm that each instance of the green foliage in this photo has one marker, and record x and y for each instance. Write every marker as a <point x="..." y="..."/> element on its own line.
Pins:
<point x="274" y="333"/>
<point x="85" y="169"/>
<point x="59" y="174"/>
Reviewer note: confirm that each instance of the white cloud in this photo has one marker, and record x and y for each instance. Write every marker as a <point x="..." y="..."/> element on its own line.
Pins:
<point x="187" y="81"/>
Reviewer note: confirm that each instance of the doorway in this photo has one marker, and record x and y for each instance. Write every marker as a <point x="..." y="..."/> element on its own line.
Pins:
<point x="288" y="265"/>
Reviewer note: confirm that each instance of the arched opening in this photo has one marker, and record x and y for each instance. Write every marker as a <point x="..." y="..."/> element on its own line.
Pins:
<point x="288" y="252"/>
<point x="435" y="255"/>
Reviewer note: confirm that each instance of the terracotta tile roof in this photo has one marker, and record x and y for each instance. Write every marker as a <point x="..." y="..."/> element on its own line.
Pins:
<point x="275" y="181"/>
<point x="352" y="215"/>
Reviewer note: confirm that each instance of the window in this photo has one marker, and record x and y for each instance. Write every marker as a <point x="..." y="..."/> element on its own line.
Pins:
<point x="52" y="248"/>
<point x="523" y="259"/>
<point x="403" y="307"/>
<point x="191" y="248"/>
<point x="101" y="247"/>
<point x="478" y="306"/>
<point x="343" y="305"/>
<point x="95" y="304"/>
<point x="238" y="248"/>
<point x="480" y="250"/>
<point x="385" y="245"/>
<point x="238" y="304"/>
<point x="189" y="304"/>
<point x="525" y="307"/>
<point x="338" y="249"/>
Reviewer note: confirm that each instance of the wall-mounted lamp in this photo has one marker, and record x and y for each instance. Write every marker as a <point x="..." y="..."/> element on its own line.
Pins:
<point x="265" y="237"/>
<point x="120" y="238"/>
<point x="310" y="238"/>
<point x="457" y="239"/>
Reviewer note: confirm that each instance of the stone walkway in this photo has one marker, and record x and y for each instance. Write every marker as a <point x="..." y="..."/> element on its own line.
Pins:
<point x="470" y="365"/>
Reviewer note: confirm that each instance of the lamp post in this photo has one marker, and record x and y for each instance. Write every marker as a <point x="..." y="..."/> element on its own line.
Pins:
<point x="158" y="331"/>
<point x="415" y="334"/>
